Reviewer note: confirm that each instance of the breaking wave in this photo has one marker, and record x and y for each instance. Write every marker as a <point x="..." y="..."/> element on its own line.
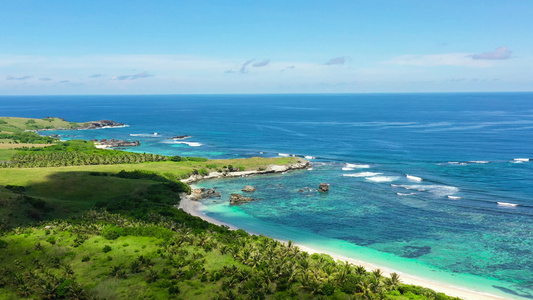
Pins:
<point x="382" y="178"/>
<point x="155" y="134"/>
<point x="357" y="166"/>
<point x="192" y="144"/>
<point x="437" y="190"/>
<point x="413" y="178"/>
<point x="362" y="174"/>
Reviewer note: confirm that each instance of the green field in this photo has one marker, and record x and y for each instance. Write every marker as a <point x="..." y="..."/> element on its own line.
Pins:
<point x="13" y="124"/>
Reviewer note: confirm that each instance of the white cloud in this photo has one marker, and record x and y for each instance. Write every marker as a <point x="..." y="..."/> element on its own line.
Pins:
<point x="9" y="77"/>
<point x="498" y="53"/>
<point x="245" y="65"/>
<point x="433" y="60"/>
<point x="336" y="61"/>
<point x="262" y="63"/>
<point x="132" y="76"/>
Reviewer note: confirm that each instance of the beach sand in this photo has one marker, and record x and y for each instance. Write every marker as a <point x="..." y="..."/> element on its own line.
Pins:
<point x="194" y="208"/>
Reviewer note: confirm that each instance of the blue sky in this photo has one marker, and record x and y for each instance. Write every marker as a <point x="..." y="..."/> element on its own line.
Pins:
<point x="199" y="47"/>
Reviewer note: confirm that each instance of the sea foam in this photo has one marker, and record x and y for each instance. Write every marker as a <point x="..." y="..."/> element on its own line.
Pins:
<point x="283" y="154"/>
<point x="438" y="190"/>
<point x="192" y="144"/>
<point x="521" y="159"/>
<point x="382" y="178"/>
<point x="357" y="166"/>
<point x="155" y="134"/>
<point x="413" y="178"/>
<point x="362" y="174"/>
<point x="507" y="204"/>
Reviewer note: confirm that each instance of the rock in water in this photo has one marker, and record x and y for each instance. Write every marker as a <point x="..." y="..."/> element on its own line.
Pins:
<point x="323" y="187"/>
<point x="203" y="193"/>
<point x="248" y="189"/>
<point x="238" y="199"/>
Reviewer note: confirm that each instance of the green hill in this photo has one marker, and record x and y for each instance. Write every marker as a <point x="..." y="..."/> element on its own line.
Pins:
<point x="111" y="231"/>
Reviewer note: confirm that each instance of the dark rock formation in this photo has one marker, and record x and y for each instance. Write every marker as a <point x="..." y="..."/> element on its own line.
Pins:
<point x="100" y="124"/>
<point x="323" y="187"/>
<point x="179" y="137"/>
<point x="117" y="143"/>
<point x="203" y="193"/>
<point x="248" y="189"/>
<point x="239" y="199"/>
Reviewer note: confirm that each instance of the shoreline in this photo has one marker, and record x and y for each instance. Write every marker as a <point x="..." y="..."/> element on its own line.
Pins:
<point x="194" y="208"/>
<point x="300" y="164"/>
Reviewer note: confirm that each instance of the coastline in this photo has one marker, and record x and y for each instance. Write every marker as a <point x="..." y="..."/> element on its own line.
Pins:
<point x="300" y="164"/>
<point x="195" y="208"/>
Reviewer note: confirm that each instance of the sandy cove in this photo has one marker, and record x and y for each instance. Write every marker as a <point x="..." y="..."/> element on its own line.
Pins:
<point x="194" y="208"/>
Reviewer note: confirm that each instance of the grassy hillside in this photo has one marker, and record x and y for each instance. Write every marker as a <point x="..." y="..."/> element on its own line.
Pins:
<point x="14" y="124"/>
<point x="111" y="231"/>
<point x="69" y="191"/>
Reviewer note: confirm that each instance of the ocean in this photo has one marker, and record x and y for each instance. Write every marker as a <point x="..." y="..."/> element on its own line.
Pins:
<point x="435" y="185"/>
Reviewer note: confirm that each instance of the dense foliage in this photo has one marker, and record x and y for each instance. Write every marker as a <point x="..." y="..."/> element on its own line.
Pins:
<point x="75" y="153"/>
<point x="28" y="137"/>
<point x="104" y="255"/>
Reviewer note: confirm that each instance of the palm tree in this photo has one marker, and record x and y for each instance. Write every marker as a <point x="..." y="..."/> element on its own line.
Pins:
<point x="393" y="281"/>
<point x="360" y="270"/>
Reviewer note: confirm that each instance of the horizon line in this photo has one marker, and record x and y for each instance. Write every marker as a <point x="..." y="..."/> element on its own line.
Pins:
<point x="262" y="94"/>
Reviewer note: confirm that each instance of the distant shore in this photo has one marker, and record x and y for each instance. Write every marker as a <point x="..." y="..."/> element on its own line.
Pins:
<point x="195" y="208"/>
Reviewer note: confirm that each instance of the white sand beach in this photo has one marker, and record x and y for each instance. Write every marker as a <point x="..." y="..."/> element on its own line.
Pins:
<point x="194" y="208"/>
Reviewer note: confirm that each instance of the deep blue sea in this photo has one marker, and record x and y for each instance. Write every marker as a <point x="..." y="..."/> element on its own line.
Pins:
<point x="464" y="215"/>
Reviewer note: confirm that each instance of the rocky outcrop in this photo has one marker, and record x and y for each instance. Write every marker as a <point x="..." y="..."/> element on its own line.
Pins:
<point x="179" y="137"/>
<point x="203" y="193"/>
<point x="248" y="189"/>
<point x="116" y="143"/>
<point x="323" y="187"/>
<point x="300" y="164"/>
<point x="100" y="124"/>
<point x="235" y="199"/>
<point x="87" y="125"/>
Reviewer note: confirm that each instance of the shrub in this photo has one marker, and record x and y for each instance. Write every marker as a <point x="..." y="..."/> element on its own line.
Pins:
<point x="3" y="244"/>
<point x="51" y="240"/>
<point x="327" y="289"/>
<point x="203" y="172"/>
<point x="241" y="169"/>
<point x="85" y="258"/>
<point x="197" y="159"/>
<point x="112" y="233"/>
<point x="106" y="248"/>
<point x="173" y="290"/>
<point x="175" y="158"/>
<point x="16" y="188"/>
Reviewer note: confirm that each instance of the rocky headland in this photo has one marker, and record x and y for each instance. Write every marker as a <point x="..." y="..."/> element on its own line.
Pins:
<point x="112" y="143"/>
<point x="300" y="164"/>
<point x="100" y="124"/>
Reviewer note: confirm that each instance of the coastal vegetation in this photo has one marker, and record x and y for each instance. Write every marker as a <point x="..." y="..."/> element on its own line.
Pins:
<point x="97" y="230"/>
